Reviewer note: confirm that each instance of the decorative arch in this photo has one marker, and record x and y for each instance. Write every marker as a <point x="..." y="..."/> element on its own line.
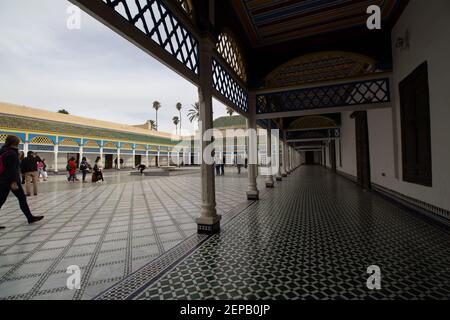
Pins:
<point x="320" y="66"/>
<point x="126" y="146"/>
<point x="42" y="140"/>
<point x="91" y="144"/>
<point x="312" y="122"/>
<point x="110" y="145"/>
<point x="3" y="137"/>
<point x="140" y="147"/>
<point x="228" y="48"/>
<point x="69" y="142"/>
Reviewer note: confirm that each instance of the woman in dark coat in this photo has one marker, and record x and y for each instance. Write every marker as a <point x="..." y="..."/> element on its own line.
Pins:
<point x="10" y="177"/>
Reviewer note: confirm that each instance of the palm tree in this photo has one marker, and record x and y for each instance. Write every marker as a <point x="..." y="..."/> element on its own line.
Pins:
<point x="176" y="120"/>
<point x="194" y="114"/>
<point x="179" y="106"/>
<point x="63" y="111"/>
<point x="152" y="124"/>
<point x="230" y="111"/>
<point x="156" y="106"/>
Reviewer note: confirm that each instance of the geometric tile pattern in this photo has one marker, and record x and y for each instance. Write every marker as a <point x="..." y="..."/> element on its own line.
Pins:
<point x="224" y="83"/>
<point x="348" y="94"/>
<point x="162" y="26"/>
<point x="109" y="230"/>
<point x="313" y="237"/>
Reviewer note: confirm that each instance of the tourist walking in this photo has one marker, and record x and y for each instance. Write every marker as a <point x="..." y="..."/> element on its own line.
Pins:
<point x="239" y="163"/>
<point x="44" y="171"/>
<point x="222" y="166"/>
<point x="218" y="163"/>
<point x="10" y="177"/>
<point x="97" y="175"/>
<point x="41" y="168"/>
<point x="72" y="168"/>
<point x="84" y="168"/>
<point x="29" y="169"/>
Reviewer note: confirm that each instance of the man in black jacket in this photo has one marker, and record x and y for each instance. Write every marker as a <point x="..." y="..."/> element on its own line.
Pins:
<point x="10" y="177"/>
<point x="30" y="170"/>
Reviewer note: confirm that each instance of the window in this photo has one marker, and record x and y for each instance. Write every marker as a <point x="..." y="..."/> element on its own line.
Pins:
<point x="229" y="50"/>
<point x="415" y="124"/>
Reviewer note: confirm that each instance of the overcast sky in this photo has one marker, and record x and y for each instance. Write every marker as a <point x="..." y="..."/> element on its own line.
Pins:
<point x="91" y="72"/>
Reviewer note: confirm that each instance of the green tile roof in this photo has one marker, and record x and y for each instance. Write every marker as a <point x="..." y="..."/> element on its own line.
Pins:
<point x="60" y="128"/>
<point x="229" y="121"/>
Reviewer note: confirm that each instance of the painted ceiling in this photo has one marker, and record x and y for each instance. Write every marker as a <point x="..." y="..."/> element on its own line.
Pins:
<point x="273" y="21"/>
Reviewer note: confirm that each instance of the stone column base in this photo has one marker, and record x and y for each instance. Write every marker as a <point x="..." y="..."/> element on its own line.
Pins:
<point x="208" y="225"/>
<point x="269" y="184"/>
<point x="253" y="195"/>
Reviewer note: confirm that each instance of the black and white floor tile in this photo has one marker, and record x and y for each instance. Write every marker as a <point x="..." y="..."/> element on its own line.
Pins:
<point x="109" y="230"/>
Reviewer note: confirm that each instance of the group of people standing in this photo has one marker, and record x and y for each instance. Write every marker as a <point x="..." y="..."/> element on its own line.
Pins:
<point x="85" y="168"/>
<point x="219" y="164"/>
<point x="10" y="176"/>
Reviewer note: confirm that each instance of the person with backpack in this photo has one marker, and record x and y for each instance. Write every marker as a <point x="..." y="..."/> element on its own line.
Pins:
<point x="84" y="168"/>
<point x="10" y="177"/>
<point x="72" y="168"/>
<point x="29" y="169"/>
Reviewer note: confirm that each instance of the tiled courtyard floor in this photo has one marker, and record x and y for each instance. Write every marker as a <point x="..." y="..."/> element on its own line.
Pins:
<point x="312" y="237"/>
<point x="109" y="230"/>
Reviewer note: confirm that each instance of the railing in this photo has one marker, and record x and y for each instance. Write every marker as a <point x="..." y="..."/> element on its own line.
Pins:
<point x="228" y="87"/>
<point x="339" y="95"/>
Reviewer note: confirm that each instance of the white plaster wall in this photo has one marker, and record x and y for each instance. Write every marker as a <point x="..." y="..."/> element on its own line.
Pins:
<point x="317" y="157"/>
<point x="348" y="145"/>
<point x="128" y="161"/>
<point x="381" y="145"/>
<point x="302" y="158"/>
<point x="327" y="156"/>
<point x="429" y="27"/>
<point x="338" y="152"/>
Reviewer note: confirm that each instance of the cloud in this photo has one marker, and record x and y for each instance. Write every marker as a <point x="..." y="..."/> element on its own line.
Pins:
<point x="91" y="72"/>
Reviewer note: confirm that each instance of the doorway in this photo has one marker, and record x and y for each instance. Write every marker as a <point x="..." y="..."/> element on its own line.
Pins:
<point x="309" y="157"/>
<point x="108" y="161"/>
<point x="362" y="149"/>
<point x="137" y="160"/>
